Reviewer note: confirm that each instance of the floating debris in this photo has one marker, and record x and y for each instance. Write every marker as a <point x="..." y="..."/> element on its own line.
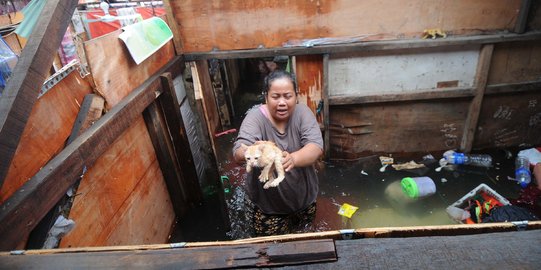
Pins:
<point x="347" y="210"/>
<point x="409" y="165"/>
<point x="443" y="180"/>
<point x="363" y="172"/>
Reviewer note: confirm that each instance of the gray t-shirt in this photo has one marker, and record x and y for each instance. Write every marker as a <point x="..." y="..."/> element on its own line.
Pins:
<point x="300" y="186"/>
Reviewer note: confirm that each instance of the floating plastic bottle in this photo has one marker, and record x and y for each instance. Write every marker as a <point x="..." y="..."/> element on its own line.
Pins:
<point x="522" y="171"/>
<point x="479" y="160"/>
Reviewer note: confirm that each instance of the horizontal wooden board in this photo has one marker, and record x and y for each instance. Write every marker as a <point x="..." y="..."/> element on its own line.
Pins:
<point x="46" y="131"/>
<point x="114" y="71"/>
<point x="214" y="257"/>
<point x="414" y="126"/>
<point x="515" y="62"/>
<point x="509" y="119"/>
<point x="366" y="73"/>
<point x="108" y="190"/>
<point x="232" y="25"/>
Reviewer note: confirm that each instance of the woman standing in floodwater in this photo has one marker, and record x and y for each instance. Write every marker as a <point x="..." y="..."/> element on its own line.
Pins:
<point x="294" y="129"/>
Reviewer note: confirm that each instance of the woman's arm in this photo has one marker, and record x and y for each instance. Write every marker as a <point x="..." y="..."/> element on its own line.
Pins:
<point x="303" y="157"/>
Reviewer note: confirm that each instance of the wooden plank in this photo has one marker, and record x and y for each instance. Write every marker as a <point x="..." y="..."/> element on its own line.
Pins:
<point x="146" y="216"/>
<point x="165" y="153"/>
<point x="401" y="70"/>
<point x="309" y="73"/>
<point x="409" y="96"/>
<point x="509" y="120"/>
<point x="522" y="19"/>
<point x="21" y="212"/>
<point x="108" y="183"/>
<point x="481" y="78"/>
<point x="426" y="126"/>
<point x="515" y="62"/>
<point x="207" y="97"/>
<point x="235" y="25"/>
<point x="91" y="110"/>
<point x="366" y="46"/>
<point x="513" y="88"/>
<point x="177" y="131"/>
<point x="46" y="131"/>
<point x="326" y="105"/>
<point x="29" y="74"/>
<point x="239" y="256"/>
<point x="172" y="22"/>
<point x="113" y="69"/>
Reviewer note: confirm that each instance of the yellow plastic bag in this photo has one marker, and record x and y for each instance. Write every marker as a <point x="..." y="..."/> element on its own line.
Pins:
<point x="347" y="210"/>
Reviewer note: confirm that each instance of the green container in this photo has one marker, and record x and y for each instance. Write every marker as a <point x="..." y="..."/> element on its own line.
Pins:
<point x="418" y="187"/>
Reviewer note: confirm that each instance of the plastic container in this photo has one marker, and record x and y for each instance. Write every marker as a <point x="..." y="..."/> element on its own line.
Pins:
<point x="522" y="171"/>
<point x="479" y="160"/>
<point x="418" y="187"/>
<point x="462" y="203"/>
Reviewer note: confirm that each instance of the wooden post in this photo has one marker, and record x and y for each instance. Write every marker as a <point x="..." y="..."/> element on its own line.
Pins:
<point x="29" y="74"/>
<point x="480" y="84"/>
<point x="522" y="19"/>
<point x="161" y="140"/>
<point x="326" y="106"/>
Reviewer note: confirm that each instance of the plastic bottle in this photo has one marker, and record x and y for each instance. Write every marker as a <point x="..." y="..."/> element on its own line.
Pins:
<point x="479" y="160"/>
<point x="522" y="171"/>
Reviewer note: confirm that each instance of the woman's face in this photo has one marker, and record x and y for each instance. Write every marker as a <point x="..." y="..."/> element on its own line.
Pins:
<point x="281" y="99"/>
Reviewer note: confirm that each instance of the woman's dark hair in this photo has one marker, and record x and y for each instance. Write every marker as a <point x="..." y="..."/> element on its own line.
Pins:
<point x="278" y="74"/>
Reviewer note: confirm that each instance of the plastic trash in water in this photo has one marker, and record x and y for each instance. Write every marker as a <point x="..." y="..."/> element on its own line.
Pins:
<point x="418" y="187"/>
<point x="479" y="160"/>
<point x="457" y="214"/>
<point x="522" y="171"/>
<point x="225" y="183"/>
<point x="347" y="210"/>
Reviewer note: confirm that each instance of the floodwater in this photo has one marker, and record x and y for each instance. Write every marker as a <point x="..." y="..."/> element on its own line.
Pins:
<point x="378" y="195"/>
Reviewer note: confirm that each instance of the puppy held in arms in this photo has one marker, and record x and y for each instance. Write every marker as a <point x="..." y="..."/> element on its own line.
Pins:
<point x="266" y="155"/>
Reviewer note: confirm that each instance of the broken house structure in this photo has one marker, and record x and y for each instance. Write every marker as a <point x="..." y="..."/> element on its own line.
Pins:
<point x="135" y="142"/>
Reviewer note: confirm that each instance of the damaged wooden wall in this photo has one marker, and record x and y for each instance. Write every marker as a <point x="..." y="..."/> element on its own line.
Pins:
<point x="383" y="87"/>
<point x="205" y="26"/>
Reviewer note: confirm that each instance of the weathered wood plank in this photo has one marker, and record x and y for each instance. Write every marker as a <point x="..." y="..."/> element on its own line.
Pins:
<point x="513" y="88"/>
<point x="167" y="159"/>
<point x="396" y="97"/>
<point x="238" y="256"/>
<point x="46" y="131"/>
<point x="481" y="78"/>
<point x="509" y="119"/>
<point x="309" y="73"/>
<point x="418" y="126"/>
<point x="179" y="137"/>
<point x="522" y="19"/>
<point x="113" y="69"/>
<point x="204" y="88"/>
<point x="326" y="105"/>
<point x="21" y="212"/>
<point x="234" y="25"/>
<point x="515" y="62"/>
<point x="108" y="183"/>
<point x="91" y="110"/>
<point x="29" y="74"/>
<point x="366" y="46"/>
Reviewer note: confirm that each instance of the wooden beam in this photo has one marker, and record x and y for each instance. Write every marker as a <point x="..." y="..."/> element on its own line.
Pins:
<point x="522" y="19"/>
<point x="23" y="87"/>
<point x="327" y="136"/>
<point x="239" y="256"/>
<point x="161" y="140"/>
<point x="179" y="137"/>
<point x="172" y="22"/>
<point x="409" y="96"/>
<point x="480" y="84"/>
<point x="91" y="110"/>
<point x="513" y="87"/>
<point x="367" y="46"/>
<point x="22" y="211"/>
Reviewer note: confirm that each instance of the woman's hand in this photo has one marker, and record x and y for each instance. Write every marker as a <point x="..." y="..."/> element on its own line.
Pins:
<point x="288" y="161"/>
